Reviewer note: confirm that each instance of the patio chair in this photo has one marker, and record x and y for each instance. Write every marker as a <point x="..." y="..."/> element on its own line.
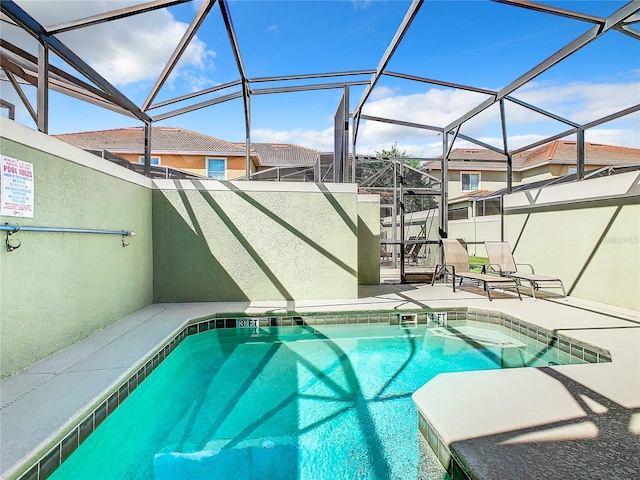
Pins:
<point x="501" y="261"/>
<point x="457" y="264"/>
<point x="412" y="250"/>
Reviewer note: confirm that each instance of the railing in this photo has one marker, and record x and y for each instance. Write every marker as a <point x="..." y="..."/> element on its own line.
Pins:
<point x="11" y="229"/>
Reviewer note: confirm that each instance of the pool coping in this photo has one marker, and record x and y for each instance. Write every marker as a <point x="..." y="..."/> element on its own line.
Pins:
<point x="194" y="317"/>
<point x="529" y="334"/>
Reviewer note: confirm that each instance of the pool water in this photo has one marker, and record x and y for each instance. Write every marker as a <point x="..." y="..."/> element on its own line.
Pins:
<point x="317" y="403"/>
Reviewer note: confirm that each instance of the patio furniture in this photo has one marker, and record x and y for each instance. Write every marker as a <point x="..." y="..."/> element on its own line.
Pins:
<point x="412" y="250"/>
<point x="457" y="264"/>
<point x="501" y="260"/>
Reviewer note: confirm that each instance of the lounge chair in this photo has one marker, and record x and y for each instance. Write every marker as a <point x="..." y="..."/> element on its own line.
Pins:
<point x="501" y="261"/>
<point x="457" y="264"/>
<point x="412" y="250"/>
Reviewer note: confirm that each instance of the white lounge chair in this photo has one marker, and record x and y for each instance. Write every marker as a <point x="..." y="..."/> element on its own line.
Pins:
<point x="457" y="264"/>
<point x="501" y="261"/>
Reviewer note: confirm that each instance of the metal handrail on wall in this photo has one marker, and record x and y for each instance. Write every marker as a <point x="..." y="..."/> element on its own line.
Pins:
<point x="11" y="229"/>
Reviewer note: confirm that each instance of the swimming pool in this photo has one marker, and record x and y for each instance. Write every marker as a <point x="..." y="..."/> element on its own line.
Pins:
<point x="299" y="402"/>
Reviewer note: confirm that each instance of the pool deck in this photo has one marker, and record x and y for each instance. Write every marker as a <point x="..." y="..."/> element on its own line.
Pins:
<point x="571" y="421"/>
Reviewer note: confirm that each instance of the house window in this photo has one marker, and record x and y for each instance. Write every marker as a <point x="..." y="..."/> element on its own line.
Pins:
<point x="217" y="168"/>
<point x="490" y="206"/>
<point x="459" y="213"/>
<point x="154" y="160"/>
<point x="470" y="181"/>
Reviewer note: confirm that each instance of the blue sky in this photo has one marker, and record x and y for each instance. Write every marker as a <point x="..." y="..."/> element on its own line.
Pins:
<point x="477" y="43"/>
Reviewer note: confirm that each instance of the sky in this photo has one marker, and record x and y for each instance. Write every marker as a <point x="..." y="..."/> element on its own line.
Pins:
<point x="478" y="43"/>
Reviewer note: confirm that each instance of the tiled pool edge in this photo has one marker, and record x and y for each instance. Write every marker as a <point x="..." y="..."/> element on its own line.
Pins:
<point x="534" y="336"/>
<point x="537" y="337"/>
<point x="76" y="432"/>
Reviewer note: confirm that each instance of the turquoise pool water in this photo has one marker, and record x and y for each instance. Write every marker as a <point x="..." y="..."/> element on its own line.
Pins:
<point x="317" y="403"/>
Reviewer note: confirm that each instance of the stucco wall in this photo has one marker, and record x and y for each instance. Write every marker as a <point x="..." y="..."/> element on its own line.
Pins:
<point x="477" y="229"/>
<point x="369" y="239"/>
<point x="587" y="233"/>
<point x="489" y="180"/>
<point x="246" y="241"/>
<point x="58" y="288"/>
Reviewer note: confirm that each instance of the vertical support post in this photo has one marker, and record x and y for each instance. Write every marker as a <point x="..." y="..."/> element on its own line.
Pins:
<point x="444" y="192"/>
<point x="580" y="154"/>
<point x="474" y="212"/>
<point x="345" y="138"/>
<point x="353" y="163"/>
<point x="502" y="218"/>
<point x="43" y="88"/>
<point x="394" y="218"/>
<point x="506" y="147"/>
<point x="317" y="171"/>
<point x="147" y="149"/>
<point x="403" y="277"/>
<point x="247" y="164"/>
<point x="509" y="173"/>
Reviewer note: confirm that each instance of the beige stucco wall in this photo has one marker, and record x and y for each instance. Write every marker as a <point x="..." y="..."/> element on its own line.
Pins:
<point x="369" y="239"/>
<point x="246" y="241"/>
<point x="58" y="288"/>
<point x="478" y="229"/>
<point x="587" y="233"/>
<point x="535" y="174"/>
<point x="489" y="180"/>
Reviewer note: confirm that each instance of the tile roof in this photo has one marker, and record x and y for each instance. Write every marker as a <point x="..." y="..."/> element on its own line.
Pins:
<point x="558" y="151"/>
<point x="163" y="139"/>
<point x="174" y="139"/>
<point x="468" y="165"/>
<point x="281" y="154"/>
<point x="594" y="153"/>
<point x="482" y="154"/>
<point x="473" y="194"/>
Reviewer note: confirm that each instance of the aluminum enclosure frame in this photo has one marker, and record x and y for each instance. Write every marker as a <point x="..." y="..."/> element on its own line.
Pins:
<point x="21" y="68"/>
<point x="107" y="96"/>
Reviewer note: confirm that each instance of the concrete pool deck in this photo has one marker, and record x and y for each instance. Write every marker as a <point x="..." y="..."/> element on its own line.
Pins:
<point x="571" y="421"/>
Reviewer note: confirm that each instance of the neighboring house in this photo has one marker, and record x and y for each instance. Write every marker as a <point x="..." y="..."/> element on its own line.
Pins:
<point x="193" y="152"/>
<point x="284" y="162"/>
<point x="170" y="146"/>
<point x="284" y="155"/>
<point x="477" y="182"/>
<point x="479" y="169"/>
<point x="475" y="189"/>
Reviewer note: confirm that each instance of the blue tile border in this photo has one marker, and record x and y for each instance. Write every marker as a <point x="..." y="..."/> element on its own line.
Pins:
<point x="535" y="336"/>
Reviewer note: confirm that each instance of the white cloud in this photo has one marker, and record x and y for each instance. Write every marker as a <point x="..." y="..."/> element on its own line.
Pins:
<point x="136" y="48"/>
<point x="382" y="92"/>
<point x="412" y="148"/>
<point x="625" y="137"/>
<point x="580" y="102"/>
<point x="360" y="4"/>
<point x="436" y="107"/>
<point x="317" y="139"/>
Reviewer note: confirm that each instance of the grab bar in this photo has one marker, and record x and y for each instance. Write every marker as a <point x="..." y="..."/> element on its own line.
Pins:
<point x="11" y="229"/>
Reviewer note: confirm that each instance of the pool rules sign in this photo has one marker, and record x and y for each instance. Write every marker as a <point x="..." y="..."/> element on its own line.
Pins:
<point x="16" y="187"/>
